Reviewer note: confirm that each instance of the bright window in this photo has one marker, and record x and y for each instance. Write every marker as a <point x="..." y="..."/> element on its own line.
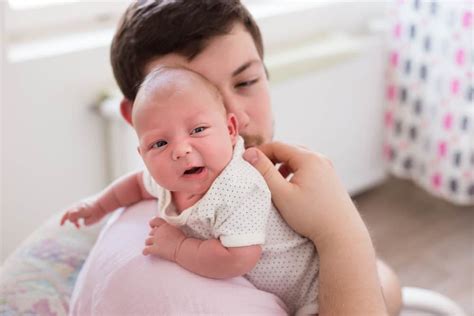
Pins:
<point x="25" y="4"/>
<point x="28" y="20"/>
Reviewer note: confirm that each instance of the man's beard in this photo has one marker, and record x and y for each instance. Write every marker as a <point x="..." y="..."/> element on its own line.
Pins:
<point x="253" y="140"/>
<point x="257" y="140"/>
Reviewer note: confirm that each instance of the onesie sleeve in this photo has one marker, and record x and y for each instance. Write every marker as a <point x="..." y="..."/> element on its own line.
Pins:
<point x="149" y="184"/>
<point x="243" y="221"/>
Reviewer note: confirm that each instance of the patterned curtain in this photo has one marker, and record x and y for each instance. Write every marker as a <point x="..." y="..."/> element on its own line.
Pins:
<point x="429" y="119"/>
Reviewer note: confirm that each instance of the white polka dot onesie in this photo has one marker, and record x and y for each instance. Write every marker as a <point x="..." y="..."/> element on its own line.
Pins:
<point x="237" y="210"/>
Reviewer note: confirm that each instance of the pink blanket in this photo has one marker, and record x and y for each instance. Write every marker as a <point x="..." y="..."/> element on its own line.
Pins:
<point x="118" y="280"/>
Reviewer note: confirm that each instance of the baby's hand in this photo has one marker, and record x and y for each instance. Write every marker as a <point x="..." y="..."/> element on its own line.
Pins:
<point x="90" y="212"/>
<point x="164" y="241"/>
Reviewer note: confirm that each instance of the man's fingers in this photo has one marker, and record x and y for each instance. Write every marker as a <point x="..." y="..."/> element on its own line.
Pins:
<point x="284" y="171"/>
<point x="276" y="183"/>
<point x="291" y="156"/>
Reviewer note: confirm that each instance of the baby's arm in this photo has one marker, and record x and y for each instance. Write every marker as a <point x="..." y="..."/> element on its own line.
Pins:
<point x="123" y="192"/>
<point x="211" y="259"/>
<point x="208" y="258"/>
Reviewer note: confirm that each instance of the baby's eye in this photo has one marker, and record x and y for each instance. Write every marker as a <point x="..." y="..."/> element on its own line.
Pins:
<point x="199" y="129"/>
<point x="159" y="144"/>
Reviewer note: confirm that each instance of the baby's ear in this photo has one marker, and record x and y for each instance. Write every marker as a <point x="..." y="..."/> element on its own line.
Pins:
<point x="139" y="152"/>
<point x="233" y="127"/>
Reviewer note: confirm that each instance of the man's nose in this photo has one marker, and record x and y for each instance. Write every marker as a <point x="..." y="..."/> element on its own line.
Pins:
<point x="180" y="150"/>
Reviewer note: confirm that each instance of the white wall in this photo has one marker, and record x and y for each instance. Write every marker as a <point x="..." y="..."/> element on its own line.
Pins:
<point x="2" y="74"/>
<point x="53" y="143"/>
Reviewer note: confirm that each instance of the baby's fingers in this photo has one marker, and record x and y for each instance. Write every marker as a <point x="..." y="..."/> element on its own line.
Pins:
<point x="64" y="218"/>
<point x="75" y="216"/>
<point x="150" y="250"/>
<point x="156" y="222"/>
<point x="75" y="222"/>
<point x="72" y="217"/>
<point x="149" y="241"/>
<point x="89" y="221"/>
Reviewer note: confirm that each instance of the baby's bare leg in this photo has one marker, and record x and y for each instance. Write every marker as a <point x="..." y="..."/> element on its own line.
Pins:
<point x="391" y="288"/>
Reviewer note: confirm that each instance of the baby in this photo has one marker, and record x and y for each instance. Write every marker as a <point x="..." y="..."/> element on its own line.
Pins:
<point x="220" y="203"/>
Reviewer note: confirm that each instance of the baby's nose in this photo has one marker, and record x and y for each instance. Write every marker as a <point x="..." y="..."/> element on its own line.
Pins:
<point x="181" y="150"/>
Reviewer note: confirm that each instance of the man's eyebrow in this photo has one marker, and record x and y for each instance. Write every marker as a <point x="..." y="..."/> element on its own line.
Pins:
<point x="244" y="67"/>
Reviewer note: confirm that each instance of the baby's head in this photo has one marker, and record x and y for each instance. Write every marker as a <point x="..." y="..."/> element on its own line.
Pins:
<point x="185" y="136"/>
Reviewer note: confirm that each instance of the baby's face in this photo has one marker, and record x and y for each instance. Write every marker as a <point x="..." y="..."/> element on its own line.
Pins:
<point x="185" y="137"/>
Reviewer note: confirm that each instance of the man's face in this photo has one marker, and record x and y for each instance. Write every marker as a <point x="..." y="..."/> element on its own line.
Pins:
<point x="231" y="62"/>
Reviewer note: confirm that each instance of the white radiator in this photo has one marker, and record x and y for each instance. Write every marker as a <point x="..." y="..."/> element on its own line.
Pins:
<point x="328" y="95"/>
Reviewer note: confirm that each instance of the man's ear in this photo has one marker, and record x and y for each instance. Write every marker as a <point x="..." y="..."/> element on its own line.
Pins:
<point x="233" y="127"/>
<point x="126" y="110"/>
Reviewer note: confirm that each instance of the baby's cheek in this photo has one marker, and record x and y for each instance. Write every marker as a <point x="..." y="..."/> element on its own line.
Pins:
<point x="160" y="173"/>
<point x="223" y="157"/>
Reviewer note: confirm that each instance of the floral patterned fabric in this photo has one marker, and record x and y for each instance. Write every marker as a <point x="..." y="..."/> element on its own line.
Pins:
<point x="430" y="113"/>
<point x="38" y="278"/>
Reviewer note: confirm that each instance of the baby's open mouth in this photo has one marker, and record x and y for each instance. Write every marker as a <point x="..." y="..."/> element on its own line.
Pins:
<point x="194" y="170"/>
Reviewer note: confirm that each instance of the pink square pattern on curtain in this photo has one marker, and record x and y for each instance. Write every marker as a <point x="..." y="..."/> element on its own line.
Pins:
<point x="429" y="118"/>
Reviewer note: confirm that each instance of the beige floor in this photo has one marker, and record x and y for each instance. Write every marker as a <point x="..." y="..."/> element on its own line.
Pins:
<point x="427" y="241"/>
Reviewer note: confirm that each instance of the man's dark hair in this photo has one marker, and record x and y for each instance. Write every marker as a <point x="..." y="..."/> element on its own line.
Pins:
<point x="153" y="28"/>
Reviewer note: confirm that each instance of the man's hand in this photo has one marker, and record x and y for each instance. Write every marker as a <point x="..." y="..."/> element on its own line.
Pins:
<point x="164" y="241"/>
<point x="90" y="212"/>
<point x="313" y="202"/>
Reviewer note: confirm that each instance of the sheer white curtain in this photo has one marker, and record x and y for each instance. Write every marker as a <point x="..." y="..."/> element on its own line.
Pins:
<point x="430" y="113"/>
